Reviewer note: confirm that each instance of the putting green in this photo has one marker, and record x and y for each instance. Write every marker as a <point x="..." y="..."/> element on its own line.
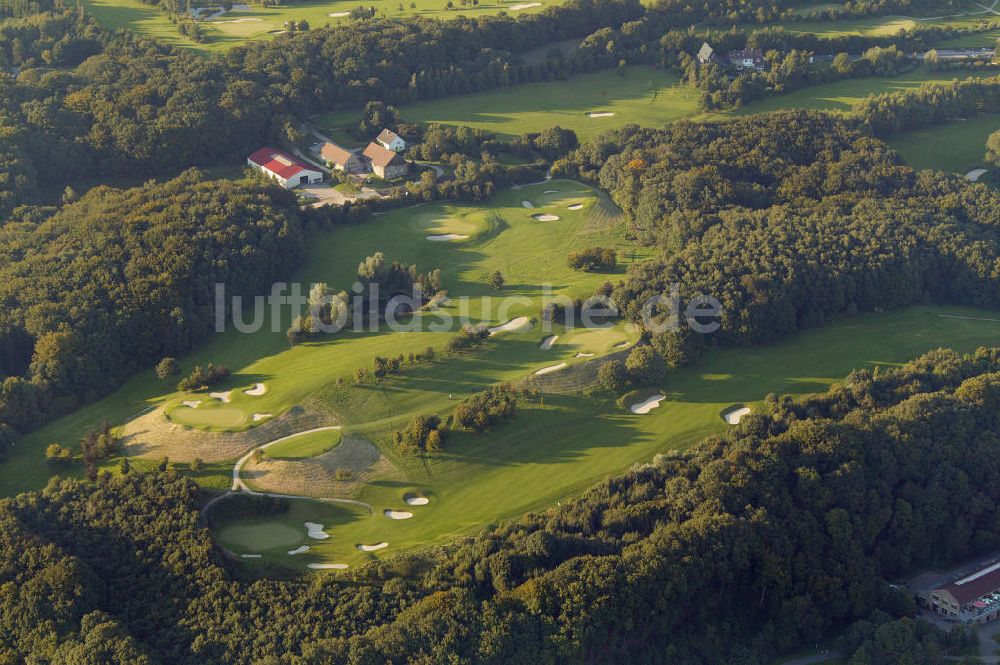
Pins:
<point x="208" y="416"/>
<point x="305" y="445"/>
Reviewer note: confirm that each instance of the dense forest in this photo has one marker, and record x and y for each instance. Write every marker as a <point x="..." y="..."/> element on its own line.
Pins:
<point x="121" y="278"/>
<point x="789" y="219"/>
<point x="790" y="525"/>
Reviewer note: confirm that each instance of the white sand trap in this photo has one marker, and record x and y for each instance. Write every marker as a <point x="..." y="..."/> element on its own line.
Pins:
<point x="551" y="191"/>
<point x="548" y="342"/>
<point x="546" y="218"/>
<point x="191" y="403"/>
<point x="225" y="397"/>
<point x="250" y="556"/>
<point x="602" y="114"/>
<point x="445" y="237"/>
<point x="621" y="345"/>
<point x="257" y="390"/>
<point x="299" y="550"/>
<point x="975" y="174"/>
<point x="397" y="514"/>
<point x="551" y="368"/>
<point x="647" y="405"/>
<point x="733" y="417"/>
<point x="527" y="204"/>
<point x="513" y="324"/>
<point x="576" y="206"/>
<point x="315" y="531"/>
<point x="241" y="20"/>
<point x="257" y="417"/>
<point x="524" y="5"/>
<point x="328" y="566"/>
<point x="372" y="548"/>
<point x="417" y="500"/>
<point x="584" y="355"/>
<point x="339" y="14"/>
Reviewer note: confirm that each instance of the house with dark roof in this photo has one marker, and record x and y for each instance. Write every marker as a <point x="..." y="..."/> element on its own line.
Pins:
<point x="973" y="598"/>
<point x="383" y="162"/>
<point x="390" y="140"/>
<point x="341" y="159"/>
<point x="283" y="168"/>
<point x="751" y="58"/>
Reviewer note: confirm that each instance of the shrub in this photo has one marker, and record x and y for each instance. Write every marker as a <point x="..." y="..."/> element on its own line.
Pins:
<point x="484" y="411"/>
<point x="593" y="259"/>
<point x="56" y="454"/>
<point x="425" y="434"/>
<point x="203" y="377"/>
<point x="612" y="376"/>
<point x="167" y="368"/>
<point x="467" y="338"/>
<point x="645" y="366"/>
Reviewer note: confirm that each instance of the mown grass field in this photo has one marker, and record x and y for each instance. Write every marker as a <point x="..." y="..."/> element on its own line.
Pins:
<point x="643" y="96"/>
<point x="238" y="27"/>
<point x="559" y="445"/>
<point x="957" y="146"/>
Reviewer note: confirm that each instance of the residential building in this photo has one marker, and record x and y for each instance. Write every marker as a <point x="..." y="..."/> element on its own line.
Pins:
<point x="390" y="140"/>
<point x="284" y="169"/>
<point x="385" y="163"/>
<point x="706" y="54"/>
<point x="751" y="58"/>
<point x="340" y="158"/>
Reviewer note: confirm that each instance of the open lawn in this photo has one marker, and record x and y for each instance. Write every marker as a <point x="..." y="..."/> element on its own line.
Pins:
<point x="481" y="479"/>
<point x="958" y="146"/>
<point x="644" y="96"/>
<point x="305" y="445"/>
<point x="842" y="95"/>
<point x="238" y="27"/>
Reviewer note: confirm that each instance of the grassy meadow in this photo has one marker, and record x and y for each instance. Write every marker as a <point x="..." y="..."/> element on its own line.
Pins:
<point x="958" y="146"/>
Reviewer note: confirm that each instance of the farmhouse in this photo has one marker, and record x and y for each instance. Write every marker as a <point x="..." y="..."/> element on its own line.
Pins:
<point x="385" y="163"/>
<point x="973" y="598"/>
<point x="285" y="169"/>
<point x="706" y="54"/>
<point x="390" y="140"/>
<point x="340" y="158"/>
<point x="751" y="58"/>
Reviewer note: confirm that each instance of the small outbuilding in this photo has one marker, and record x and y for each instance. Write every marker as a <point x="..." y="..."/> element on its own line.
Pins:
<point x="283" y="168"/>
<point x="706" y="54"/>
<point x="341" y="159"/>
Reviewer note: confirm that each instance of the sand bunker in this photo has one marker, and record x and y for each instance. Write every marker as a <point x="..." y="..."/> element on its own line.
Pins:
<point x="225" y="397"/>
<point x="257" y="417"/>
<point x="339" y="14"/>
<point x="299" y="550"/>
<point x="576" y="206"/>
<point x="315" y="531"/>
<point x="444" y="237"/>
<point x="733" y="417"/>
<point x="241" y="20"/>
<point x="397" y="514"/>
<point x="416" y="500"/>
<point x="250" y="556"/>
<point x="551" y="191"/>
<point x="602" y="114"/>
<point x="524" y="5"/>
<point x="527" y="204"/>
<point x="551" y="368"/>
<point x="328" y="566"/>
<point x="372" y="548"/>
<point x="191" y="403"/>
<point x="621" y="345"/>
<point x="584" y="355"/>
<point x="546" y="218"/>
<point x="513" y="324"/>
<point x="647" y="405"/>
<point x="257" y="390"/>
<point x="975" y="174"/>
<point x="548" y="342"/>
